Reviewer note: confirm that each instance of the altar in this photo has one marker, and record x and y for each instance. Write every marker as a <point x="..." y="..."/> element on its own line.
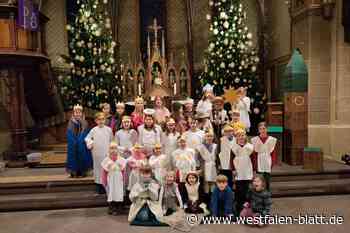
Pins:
<point x="158" y="75"/>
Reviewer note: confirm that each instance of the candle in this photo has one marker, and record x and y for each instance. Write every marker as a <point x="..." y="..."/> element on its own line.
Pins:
<point x="139" y="87"/>
<point x="174" y="88"/>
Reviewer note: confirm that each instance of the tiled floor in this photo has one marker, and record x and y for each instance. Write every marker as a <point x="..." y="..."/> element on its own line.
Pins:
<point x="97" y="221"/>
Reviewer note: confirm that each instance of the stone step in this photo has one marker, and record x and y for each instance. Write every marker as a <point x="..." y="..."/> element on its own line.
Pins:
<point x="84" y="197"/>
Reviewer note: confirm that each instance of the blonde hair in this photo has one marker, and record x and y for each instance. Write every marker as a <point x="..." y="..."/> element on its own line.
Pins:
<point x="99" y="114"/>
<point x="221" y="179"/>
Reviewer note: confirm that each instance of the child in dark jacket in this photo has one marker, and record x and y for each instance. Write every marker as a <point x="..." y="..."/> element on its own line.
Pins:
<point x="258" y="199"/>
<point x="222" y="198"/>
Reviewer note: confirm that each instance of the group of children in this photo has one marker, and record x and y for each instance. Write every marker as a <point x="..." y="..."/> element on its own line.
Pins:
<point x="199" y="161"/>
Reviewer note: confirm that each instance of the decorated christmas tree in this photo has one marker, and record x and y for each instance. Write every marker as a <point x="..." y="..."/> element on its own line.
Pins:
<point x="231" y="58"/>
<point x="93" y="77"/>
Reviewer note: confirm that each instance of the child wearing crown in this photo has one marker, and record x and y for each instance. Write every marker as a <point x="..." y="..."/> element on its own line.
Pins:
<point x="207" y="152"/>
<point x="135" y="161"/>
<point x="98" y="141"/>
<point x="113" y="166"/>
<point x="79" y="160"/>
<point x="159" y="163"/>
<point x="137" y="116"/>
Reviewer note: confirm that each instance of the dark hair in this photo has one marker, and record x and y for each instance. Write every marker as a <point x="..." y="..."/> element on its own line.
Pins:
<point x="191" y="174"/>
<point x="263" y="180"/>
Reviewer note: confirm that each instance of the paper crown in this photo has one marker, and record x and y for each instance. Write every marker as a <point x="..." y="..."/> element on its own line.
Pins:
<point x="157" y="146"/>
<point x="181" y="138"/>
<point x="188" y="101"/>
<point x="209" y="132"/>
<point x="149" y="111"/>
<point x="77" y="107"/>
<point x="208" y="88"/>
<point x="228" y="128"/>
<point x="126" y="118"/>
<point x="219" y="99"/>
<point x="202" y="115"/>
<point x="240" y="131"/>
<point x="139" y="99"/>
<point x="171" y="121"/>
<point x="120" y="104"/>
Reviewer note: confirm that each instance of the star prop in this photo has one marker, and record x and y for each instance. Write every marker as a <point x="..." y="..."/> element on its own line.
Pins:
<point x="231" y="96"/>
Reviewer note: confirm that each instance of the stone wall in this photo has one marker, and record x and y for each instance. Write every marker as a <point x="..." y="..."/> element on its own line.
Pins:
<point x="129" y="30"/>
<point x="57" y="42"/>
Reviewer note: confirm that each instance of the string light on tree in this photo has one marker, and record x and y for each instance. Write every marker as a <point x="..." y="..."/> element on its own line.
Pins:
<point x="232" y="55"/>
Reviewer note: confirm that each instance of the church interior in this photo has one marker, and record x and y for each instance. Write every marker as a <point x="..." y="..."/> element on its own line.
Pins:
<point x="160" y="49"/>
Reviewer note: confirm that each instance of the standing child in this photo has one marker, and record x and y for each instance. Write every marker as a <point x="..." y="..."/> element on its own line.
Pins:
<point x="135" y="161"/>
<point x="194" y="136"/>
<point x="98" y="141"/>
<point x="258" y="200"/>
<point x="235" y="123"/>
<point x="222" y="198"/>
<point x="79" y="160"/>
<point x="193" y="195"/>
<point x="159" y="163"/>
<point x="126" y="136"/>
<point x="137" y="117"/>
<point x="113" y="167"/>
<point x="183" y="160"/>
<point x="169" y="137"/>
<point x="225" y="158"/>
<point x="149" y="132"/>
<point x="120" y="111"/>
<point x="243" y="106"/>
<point x="109" y="118"/>
<point x="265" y="154"/>
<point x="219" y="116"/>
<point x="205" y="105"/>
<point x="207" y="155"/>
<point x="169" y="195"/>
<point x="188" y="108"/>
<point x="243" y="167"/>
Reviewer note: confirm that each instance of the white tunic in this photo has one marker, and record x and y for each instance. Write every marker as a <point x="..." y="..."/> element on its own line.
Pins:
<point x="225" y="153"/>
<point x="148" y="138"/>
<point x="204" y="106"/>
<point x="243" y="106"/>
<point x="115" y="184"/>
<point x="209" y="162"/>
<point x="98" y="141"/>
<point x="126" y="138"/>
<point x="134" y="176"/>
<point x="264" y="151"/>
<point x="194" y="139"/>
<point x="184" y="161"/>
<point x="242" y="162"/>
<point x="159" y="166"/>
<point x="169" y="143"/>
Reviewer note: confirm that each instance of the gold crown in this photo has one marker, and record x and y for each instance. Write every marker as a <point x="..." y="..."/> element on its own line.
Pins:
<point x="209" y="132"/>
<point x="126" y="118"/>
<point x="120" y="104"/>
<point x="139" y="99"/>
<point x="78" y="107"/>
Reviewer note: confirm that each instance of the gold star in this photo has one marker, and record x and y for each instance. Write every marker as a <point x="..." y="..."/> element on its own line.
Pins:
<point x="230" y="96"/>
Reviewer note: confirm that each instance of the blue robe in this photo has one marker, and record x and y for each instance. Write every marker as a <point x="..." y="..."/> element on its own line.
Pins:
<point x="221" y="203"/>
<point x="79" y="158"/>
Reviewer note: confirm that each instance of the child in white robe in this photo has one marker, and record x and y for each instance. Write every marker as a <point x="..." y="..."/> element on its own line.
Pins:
<point x="135" y="162"/>
<point x="113" y="167"/>
<point x="126" y="136"/>
<point x="98" y="141"/>
<point x="169" y="137"/>
<point x="194" y="136"/>
<point x="243" y="106"/>
<point x="225" y="158"/>
<point x="149" y="132"/>
<point x="205" y="104"/>
<point x="243" y="167"/>
<point x="183" y="160"/>
<point x="264" y="153"/>
<point x="207" y="154"/>
<point x="159" y="163"/>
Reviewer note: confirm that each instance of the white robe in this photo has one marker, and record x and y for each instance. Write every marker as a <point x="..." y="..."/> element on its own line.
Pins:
<point x="98" y="140"/>
<point x="184" y="161"/>
<point x="194" y="139"/>
<point x="209" y="159"/>
<point x="134" y="175"/>
<point x="264" y="151"/>
<point x="169" y="143"/>
<point x="148" y="138"/>
<point x="115" y="184"/>
<point x="242" y="161"/>
<point x="126" y="139"/>
<point x="140" y="196"/>
<point x="243" y="106"/>
<point x="204" y="106"/>
<point x="160" y="165"/>
<point x="225" y="153"/>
